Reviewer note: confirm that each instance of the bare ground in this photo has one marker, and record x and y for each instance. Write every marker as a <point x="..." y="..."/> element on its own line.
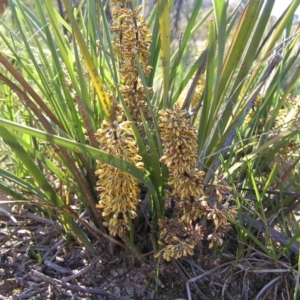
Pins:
<point x="38" y="262"/>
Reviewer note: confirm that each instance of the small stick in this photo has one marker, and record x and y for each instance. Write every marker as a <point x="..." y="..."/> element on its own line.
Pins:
<point x="76" y="288"/>
<point x="26" y="214"/>
<point x="45" y="278"/>
<point x="276" y="235"/>
<point x="29" y="293"/>
<point x="82" y="271"/>
<point x="57" y="244"/>
<point x="57" y="268"/>
<point x="95" y="291"/>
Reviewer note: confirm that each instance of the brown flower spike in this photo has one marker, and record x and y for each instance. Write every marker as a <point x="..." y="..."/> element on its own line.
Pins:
<point x="191" y="206"/>
<point x="119" y="191"/>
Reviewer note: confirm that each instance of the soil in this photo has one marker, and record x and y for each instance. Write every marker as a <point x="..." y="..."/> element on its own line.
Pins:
<point x="38" y="262"/>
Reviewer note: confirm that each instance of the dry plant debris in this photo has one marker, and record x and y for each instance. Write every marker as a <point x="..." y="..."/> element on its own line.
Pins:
<point x="36" y="262"/>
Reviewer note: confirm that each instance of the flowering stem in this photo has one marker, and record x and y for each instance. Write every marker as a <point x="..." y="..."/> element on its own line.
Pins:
<point x="130" y="245"/>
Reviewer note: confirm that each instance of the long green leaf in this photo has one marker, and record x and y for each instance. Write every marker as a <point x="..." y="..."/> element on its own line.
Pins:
<point x="107" y="104"/>
<point x="82" y="148"/>
<point x="39" y="177"/>
<point x="206" y="124"/>
<point x="294" y="130"/>
<point x="186" y="38"/>
<point x="23" y="185"/>
<point x="165" y="42"/>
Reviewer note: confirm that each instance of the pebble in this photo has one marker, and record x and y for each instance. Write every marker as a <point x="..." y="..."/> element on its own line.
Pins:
<point x="114" y="273"/>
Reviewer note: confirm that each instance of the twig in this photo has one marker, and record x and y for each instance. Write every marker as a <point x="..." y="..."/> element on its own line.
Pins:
<point x="192" y="280"/>
<point x="29" y="293"/>
<point x="7" y="213"/>
<point x="279" y="237"/>
<point x="9" y="265"/>
<point x="266" y="287"/>
<point x="82" y="271"/>
<point x="56" y="267"/>
<point x="229" y="279"/>
<point x="273" y="192"/>
<point x="88" y="226"/>
<point x="75" y="288"/>
<point x="72" y="296"/>
<point x="26" y="214"/>
<point x="95" y="291"/>
<point x="45" y="278"/>
<point x="57" y="244"/>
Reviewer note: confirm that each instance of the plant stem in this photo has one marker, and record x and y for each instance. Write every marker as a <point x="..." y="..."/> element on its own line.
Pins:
<point x="129" y="244"/>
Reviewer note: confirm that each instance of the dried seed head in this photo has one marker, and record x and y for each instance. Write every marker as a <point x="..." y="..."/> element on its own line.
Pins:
<point x="179" y="141"/>
<point x="177" y="238"/>
<point x="119" y="191"/>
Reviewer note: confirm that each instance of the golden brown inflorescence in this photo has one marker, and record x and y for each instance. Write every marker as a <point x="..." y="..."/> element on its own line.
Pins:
<point x="177" y="239"/>
<point x="179" y="139"/>
<point x="178" y="236"/>
<point x="119" y="191"/>
<point x="133" y="39"/>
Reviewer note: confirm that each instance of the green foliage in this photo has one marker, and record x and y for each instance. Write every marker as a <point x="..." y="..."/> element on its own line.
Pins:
<point x="57" y="89"/>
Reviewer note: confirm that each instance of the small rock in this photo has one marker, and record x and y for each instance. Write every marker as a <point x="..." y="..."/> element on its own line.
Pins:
<point x="135" y="278"/>
<point x="114" y="273"/>
<point x="129" y="289"/>
<point x="8" y="285"/>
<point x="117" y="290"/>
<point x="121" y="271"/>
<point x="2" y="273"/>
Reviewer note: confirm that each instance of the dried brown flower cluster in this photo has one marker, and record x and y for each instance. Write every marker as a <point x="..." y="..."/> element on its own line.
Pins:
<point x="135" y="100"/>
<point x="179" y="236"/>
<point x="177" y="239"/>
<point x="119" y="191"/>
<point x="219" y="213"/>
<point x="132" y="42"/>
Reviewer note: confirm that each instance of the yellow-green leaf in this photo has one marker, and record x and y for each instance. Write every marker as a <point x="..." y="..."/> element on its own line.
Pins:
<point x="164" y="32"/>
<point x="106" y="103"/>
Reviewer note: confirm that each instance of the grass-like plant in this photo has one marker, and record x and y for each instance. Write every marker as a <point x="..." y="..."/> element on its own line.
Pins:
<point x="95" y="110"/>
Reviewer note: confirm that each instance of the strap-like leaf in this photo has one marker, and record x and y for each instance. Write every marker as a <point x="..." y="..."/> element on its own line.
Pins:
<point x="82" y="148"/>
<point x="106" y="103"/>
<point x="165" y="40"/>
